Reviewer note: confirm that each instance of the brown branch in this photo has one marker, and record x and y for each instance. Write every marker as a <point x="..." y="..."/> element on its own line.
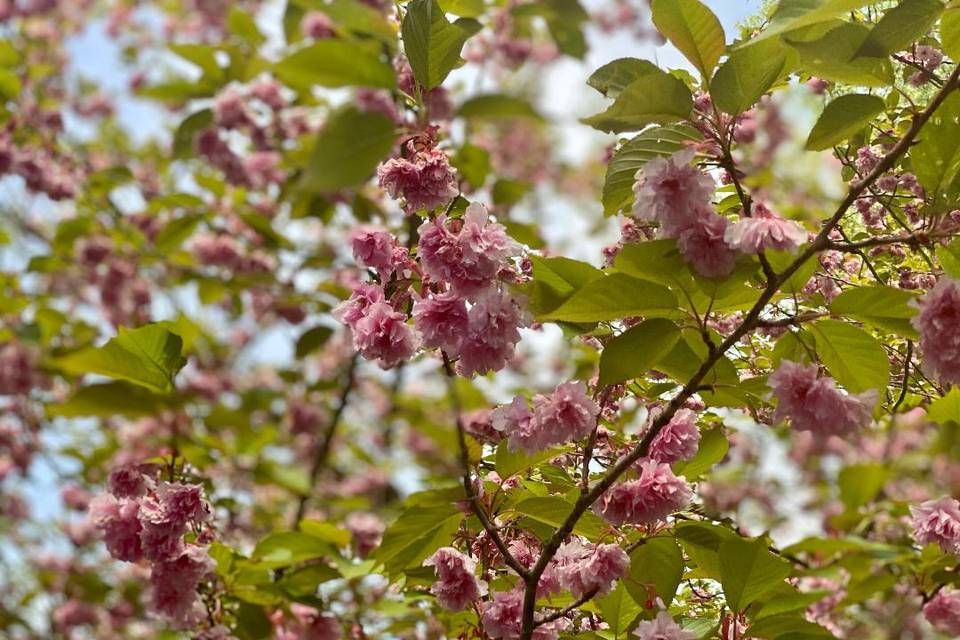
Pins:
<point x="567" y="610"/>
<point x="472" y="496"/>
<point x="323" y="451"/>
<point x="585" y="501"/>
<point x="791" y="321"/>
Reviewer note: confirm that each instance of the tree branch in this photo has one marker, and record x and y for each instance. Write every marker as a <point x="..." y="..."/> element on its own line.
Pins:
<point x="324" y="449"/>
<point x="472" y="496"/>
<point x="567" y="610"/>
<point x="585" y="501"/>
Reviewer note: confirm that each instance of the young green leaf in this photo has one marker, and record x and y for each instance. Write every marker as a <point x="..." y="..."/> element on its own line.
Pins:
<point x="637" y="350"/>
<point x="613" y="77"/>
<point x="432" y="43"/>
<point x="347" y="150"/>
<point x="842" y="118"/>
<point x="653" y="98"/>
<point x="657" y="563"/>
<point x="885" y="308"/>
<point x="747" y="74"/>
<point x="900" y="26"/>
<point x="149" y="356"/>
<point x="748" y="570"/>
<point x="854" y="357"/>
<point x="693" y="29"/>
<point x="336" y="63"/>
<point x="614" y="297"/>
<point x="936" y="157"/>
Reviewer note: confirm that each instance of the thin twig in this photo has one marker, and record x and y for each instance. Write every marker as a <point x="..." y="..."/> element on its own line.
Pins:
<point x="567" y="610"/>
<point x="472" y="496"/>
<point x="323" y="451"/>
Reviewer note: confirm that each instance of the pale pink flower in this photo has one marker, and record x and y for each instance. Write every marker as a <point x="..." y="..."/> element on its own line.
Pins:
<point x="671" y="191"/>
<point x="938" y="522"/>
<point x="426" y="181"/>
<point x="653" y="496"/>
<point x="367" y="530"/>
<point x="230" y="109"/>
<point x="127" y="481"/>
<point x="591" y="568"/>
<point x="702" y="243"/>
<point x="317" y="25"/>
<point x="943" y="612"/>
<point x="764" y="230"/>
<point x="502" y="618"/>
<point x="73" y="613"/>
<point x="470" y="258"/>
<point x="374" y="247"/>
<point x="382" y="334"/>
<point x="939" y="325"/>
<point x="175" y="582"/>
<point x="442" y="320"/>
<point x="119" y="521"/>
<point x="495" y="322"/>
<point x="815" y="404"/>
<point x="678" y="440"/>
<point x="457" y="585"/>
<point x="565" y="415"/>
<point x="662" y="628"/>
<point x="353" y="309"/>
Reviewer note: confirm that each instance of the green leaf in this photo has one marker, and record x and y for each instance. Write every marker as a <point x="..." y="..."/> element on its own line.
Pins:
<point x="854" y="357"/>
<point x="432" y="43"/>
<point x="553" y="511"/>
<point x="885" y="308"/>
<point x="832" y="56"/>
<point x="748" y="570"/>
<point x="326" y="531"/>
<point x="631" y="156"/>
<point x="347" y="150"/>
<point x="243" y="25"/>
<point x="312" y="339"/>
<point x="795" y="14"/>
<point x="788" y="627"/>
<point x="713" y="449"/>
<point x="204" y="56"/>
<point x="286" y="548"/>
<point x="936" y="157"/>
<point x="564" y="19"/>
<point x="747" y="74"/>
<point x="175" y="232"/>
<point x="149" y="356"/>
<point x="946" y="409"/>
<point x="10" y="84"/>
<point x="619" y="610"/>
<point x="614" y="297"/>
<point x="637" y="350"/>
<point x="900" y="26"/>
<point x="509" y="463"/>
<point x="657" y="563"/>
<point x="463" y="8"/>
<point x="949" y="257"/>
<point x="860" y="483"/>
<point x="497" y="105"/>
<point x="105" y="400"/>
<point x="693" y="29"/>
<point x="335" y="63"/>
<point x="950" y="30"/>
<point x="783" y="603"/>
<point x="554" y="281"/>
<point x="842" y="118"/>
<point x="613" y="77"/>
<point x="653" y="98"/>
<point x="416" y="534"/>
<point x="473" y="163"/>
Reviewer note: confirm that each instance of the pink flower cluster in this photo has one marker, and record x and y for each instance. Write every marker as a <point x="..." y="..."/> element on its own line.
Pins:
<point x="503" y="617"/>
<point x="815" y="404"/>
<point x="938" y="522"/>
<point x="678" y="440"/>
<point x="565" y="415"/>
<point x="144" y="520"/>
<point x="17" y="374"/>
<point x="678" y="196"/>
<point x="307" y="624"/>
<point x="943" y="612"/>
<point x="457" y="585"/>
<point x="939" y="325"/>
<point x="221" y="250"/>
<point x="425" y="180"/>
<point x="765" y="230"/>
<point x="662" y="627"/>
<point x="588" y="568"/>
<point x="466" y="313"/>
<point x="653" y="496"/>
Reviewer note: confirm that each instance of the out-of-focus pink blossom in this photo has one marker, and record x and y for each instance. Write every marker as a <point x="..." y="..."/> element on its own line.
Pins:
<point x="943" y="611"/>
<point x="119" y="521"/>
<point x="174" y="586"/>
<point x="662" y="628"/>
<point x="815" y="404"/>
<point x="457" y="584"/>
<point x="367" y="530"/>
<point x="938" y="522"/>
<point x="317" y="25"/>
<point x="939" y="325"/>
<point x="653" y="496"/>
